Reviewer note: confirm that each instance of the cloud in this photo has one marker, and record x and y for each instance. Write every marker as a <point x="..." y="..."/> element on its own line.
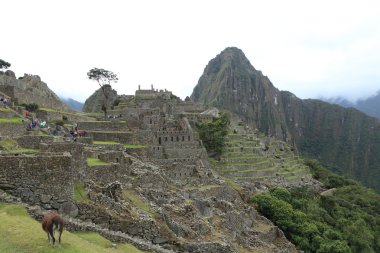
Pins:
<point x="308" y="48"/>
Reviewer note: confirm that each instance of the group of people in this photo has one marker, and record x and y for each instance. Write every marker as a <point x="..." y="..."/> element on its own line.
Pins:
<point x="37" y="122"/>
<point x="75" y="133"/>
<point x="3" y="102"/>
<point x="114" y="116"/>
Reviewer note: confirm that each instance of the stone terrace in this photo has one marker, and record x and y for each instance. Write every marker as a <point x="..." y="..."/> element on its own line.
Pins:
<point x="254" y="158"/>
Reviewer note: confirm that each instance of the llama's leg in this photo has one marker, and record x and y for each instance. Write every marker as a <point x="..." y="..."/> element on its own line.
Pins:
<point x="48" y="237"/>
<point x="52" y="236"/>
<point x="59" y="238"/>
<point x="51" y="242"/>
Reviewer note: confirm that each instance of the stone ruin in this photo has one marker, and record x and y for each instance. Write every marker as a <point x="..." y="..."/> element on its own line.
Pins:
<point x="149" y="154"/>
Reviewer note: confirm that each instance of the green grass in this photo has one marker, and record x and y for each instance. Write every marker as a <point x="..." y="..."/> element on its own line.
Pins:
<point x="24" y="150"/>
<point x="11" y="120"/>
<point x="80" y="194"/>
<point x="137" y="201"/>
<point x="95" y="162"/>
<point x="8" y="143"/>
<point x="60" y="112"/>
<point x="134" y="146"/>
<point x="20" y="233"/>
<point x="234" y="185"/>
<point x="2" y="109"/>
<point x="105" y="142"/>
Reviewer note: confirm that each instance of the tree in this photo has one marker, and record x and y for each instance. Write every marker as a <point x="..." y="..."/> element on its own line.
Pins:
<point x="104" y="79"/>
<point x="4" y="64"/>
<point x="213" y="133"/>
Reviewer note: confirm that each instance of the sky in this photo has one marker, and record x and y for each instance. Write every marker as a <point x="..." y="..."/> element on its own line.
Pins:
<point x="310" y="48"/>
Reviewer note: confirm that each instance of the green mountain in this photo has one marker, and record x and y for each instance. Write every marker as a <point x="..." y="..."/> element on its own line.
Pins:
<point x="370" y="105"/>
<point x="347" y="141"/>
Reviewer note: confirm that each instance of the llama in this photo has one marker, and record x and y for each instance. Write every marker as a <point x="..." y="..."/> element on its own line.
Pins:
<point x="50" y="223"/>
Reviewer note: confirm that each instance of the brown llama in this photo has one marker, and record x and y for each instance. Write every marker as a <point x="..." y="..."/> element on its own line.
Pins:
<point x="50" y="223"/>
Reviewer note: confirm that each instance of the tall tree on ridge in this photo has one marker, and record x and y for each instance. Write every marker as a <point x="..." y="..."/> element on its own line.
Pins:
<point x="4" y="64"/>
<point x="104" y="79"/>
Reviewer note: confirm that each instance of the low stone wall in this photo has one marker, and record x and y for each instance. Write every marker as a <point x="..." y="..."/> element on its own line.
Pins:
<point x="55" y="115"/>
<point x="13" y="129"/>
<point x="103" y="125"/>
<point x="122" y="137"/>
<point x="114" y="156"/>
<point x="45" y="180"/>
<point x="139" y="152"/>
<point x="183" y="153"/>
<point x="33" y="141"/>
<point x="86" y="140"/>
<point x="6" y="113"/>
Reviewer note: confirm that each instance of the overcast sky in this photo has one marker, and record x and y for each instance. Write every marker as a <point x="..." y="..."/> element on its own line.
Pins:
<point x="311" y="48"/>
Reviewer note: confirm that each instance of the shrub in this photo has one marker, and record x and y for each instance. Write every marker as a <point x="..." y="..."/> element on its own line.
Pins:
<point x="32" y="107"/>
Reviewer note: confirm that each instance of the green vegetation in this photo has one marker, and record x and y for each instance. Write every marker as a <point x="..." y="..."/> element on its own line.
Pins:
<point x="32" y="107"/>
<point x="213" y="133"/>
<point x="105" y="142"/>
<point x="95" y="162"/>
<point x="80" y="194"/>
<point x="104" y="79"/>
<point x="8" y="143"/>
<point x="137" y="201"/>
<point x="346" y="221"/>
<point x="11" y="120"/>
<point x="3" y="109"/>
<point x="4" y="64"/>
<point x="20" y="233"/>
<point x="134" y="146"/>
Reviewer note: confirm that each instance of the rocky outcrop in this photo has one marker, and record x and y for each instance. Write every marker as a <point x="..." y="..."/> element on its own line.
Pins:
<point x="95" y="101"/>
<point x="345" y="140"/>
<point x="30" y="89"/>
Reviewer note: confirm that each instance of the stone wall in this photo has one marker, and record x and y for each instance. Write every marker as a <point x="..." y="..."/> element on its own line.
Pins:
<point x="33" y="141"/>
<point x="12" y="129"/>
<point x="103" y="125"/>
<point x="78" y="155"/>
<point x="45" y="180"/>
<point x="7" y="89"/>
<point x="121" y="137"/>
<point x="55" y="115"/>
<point x="5" y="112"/>
<point x="106" y="174"/>
<point x="189" y="107"/>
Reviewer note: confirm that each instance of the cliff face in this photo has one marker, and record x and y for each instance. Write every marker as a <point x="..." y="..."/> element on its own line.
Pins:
<point x="345" y="140"/>
<point x="30" y="89"/>
<point x="230" y="82"/>
<point x="95" y="101"/>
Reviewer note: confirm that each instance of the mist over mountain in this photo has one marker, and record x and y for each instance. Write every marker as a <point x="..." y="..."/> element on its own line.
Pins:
<point x="370" y="105"/>
<point x="344" y="139"/>
<point x="73" y="104"/>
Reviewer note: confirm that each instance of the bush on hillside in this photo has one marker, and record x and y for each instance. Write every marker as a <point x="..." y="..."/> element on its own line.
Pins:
<point x="347" y="221"/>
<point x="213" y="133"/>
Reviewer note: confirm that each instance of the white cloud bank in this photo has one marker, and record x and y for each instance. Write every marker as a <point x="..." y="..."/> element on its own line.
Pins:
<point x="311" y="48"/>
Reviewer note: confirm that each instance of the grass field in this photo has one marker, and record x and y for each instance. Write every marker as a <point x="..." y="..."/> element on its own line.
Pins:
<point x="10" y="120"/>
<point x="20" y="233"/>
<point x="95" y="162"/>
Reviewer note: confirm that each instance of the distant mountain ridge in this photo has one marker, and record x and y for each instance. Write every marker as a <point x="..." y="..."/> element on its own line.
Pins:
<point x="345" y="140"/>
<point x="73" y="104"/>
<point x="370" y="106"/>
